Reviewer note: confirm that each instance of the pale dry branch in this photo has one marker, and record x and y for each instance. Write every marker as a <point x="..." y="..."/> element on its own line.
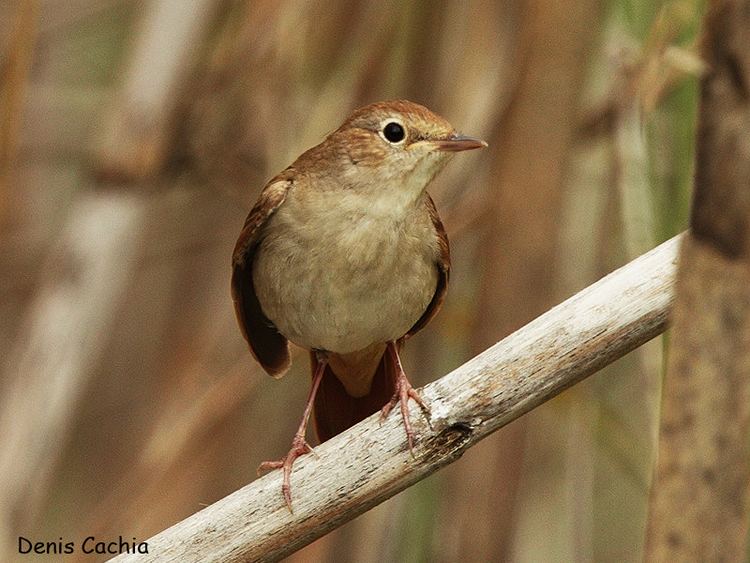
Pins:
<point x="369" y="463"/>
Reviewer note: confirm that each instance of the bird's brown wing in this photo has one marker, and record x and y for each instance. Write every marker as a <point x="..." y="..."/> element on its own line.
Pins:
<point x="443" y="266"/>
<point x="269" y="347"/>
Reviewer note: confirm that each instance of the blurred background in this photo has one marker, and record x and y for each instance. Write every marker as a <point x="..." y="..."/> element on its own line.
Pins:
<point x="135" y="136"/>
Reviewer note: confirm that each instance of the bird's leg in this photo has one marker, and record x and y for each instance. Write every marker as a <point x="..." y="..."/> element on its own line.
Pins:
<point x="403" y="392"/>
<point x="299" y="444"/>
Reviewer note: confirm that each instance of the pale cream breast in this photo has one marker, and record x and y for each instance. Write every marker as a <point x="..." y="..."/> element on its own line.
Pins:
<point x="335" y="273"/>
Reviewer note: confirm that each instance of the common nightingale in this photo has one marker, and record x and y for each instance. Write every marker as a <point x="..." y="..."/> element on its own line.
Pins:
<point x="344" y="254"/>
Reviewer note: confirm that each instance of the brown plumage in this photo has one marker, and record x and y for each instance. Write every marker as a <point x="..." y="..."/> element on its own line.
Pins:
<point x="345" y="255"/>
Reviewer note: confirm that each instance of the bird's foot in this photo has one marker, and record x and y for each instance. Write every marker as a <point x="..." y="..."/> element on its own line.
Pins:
<point x="404" y="392"/>
<point x="299" y="447"/>
<point x="299" y="444"/>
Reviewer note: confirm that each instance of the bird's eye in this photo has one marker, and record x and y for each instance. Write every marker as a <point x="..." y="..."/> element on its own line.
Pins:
<point x="394" y="132"/>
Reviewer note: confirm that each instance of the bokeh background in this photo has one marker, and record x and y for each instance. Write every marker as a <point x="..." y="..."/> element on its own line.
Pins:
<point x="135" y="136"/>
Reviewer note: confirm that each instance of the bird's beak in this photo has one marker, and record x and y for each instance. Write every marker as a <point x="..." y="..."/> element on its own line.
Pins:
<point x="456" y="143"/>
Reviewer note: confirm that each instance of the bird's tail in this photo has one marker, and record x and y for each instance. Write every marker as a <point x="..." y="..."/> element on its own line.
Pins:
<point x="335" y="410"/>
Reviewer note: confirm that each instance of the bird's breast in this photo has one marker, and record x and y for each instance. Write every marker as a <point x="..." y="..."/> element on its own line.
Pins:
<point x="332" y="274"/>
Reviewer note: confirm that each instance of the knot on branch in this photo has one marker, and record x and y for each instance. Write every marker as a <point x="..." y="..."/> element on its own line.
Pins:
<point x="448" y="444"/>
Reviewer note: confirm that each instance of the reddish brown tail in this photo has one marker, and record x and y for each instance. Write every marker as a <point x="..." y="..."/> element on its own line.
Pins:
<point x="335" y="410"/>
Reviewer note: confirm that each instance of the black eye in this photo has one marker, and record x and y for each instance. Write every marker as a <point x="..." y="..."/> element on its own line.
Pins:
<point x="394" y="132"/>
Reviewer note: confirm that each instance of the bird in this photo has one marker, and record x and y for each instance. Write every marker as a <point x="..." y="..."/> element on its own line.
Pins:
<point x="344" y="255"/>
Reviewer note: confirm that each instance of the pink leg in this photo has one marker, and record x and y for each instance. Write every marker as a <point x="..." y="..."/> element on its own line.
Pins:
<point x="299" y="444"/>
<point x="403" y="392"/>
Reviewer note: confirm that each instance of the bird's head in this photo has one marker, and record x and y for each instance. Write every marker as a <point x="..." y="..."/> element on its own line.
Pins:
<point x="395" y="147"/>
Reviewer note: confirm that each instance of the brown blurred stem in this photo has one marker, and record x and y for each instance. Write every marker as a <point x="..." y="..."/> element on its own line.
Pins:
<point x="521" y="232"/>
<point x="134" y="141"/>
<point x="699" y="499"/>
<point x="13" y="73"/>
<point x="532" y="365"/>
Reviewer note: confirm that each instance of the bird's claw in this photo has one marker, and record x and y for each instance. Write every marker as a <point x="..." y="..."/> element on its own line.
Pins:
<point x="299" y="447"/>
<point x="404" y="392"/>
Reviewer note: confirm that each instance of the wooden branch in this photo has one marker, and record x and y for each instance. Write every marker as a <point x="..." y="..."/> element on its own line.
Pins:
<point x="369" y="463"/>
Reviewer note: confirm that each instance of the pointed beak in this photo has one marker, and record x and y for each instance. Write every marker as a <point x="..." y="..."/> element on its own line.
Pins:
<point x="456" y="143"/>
